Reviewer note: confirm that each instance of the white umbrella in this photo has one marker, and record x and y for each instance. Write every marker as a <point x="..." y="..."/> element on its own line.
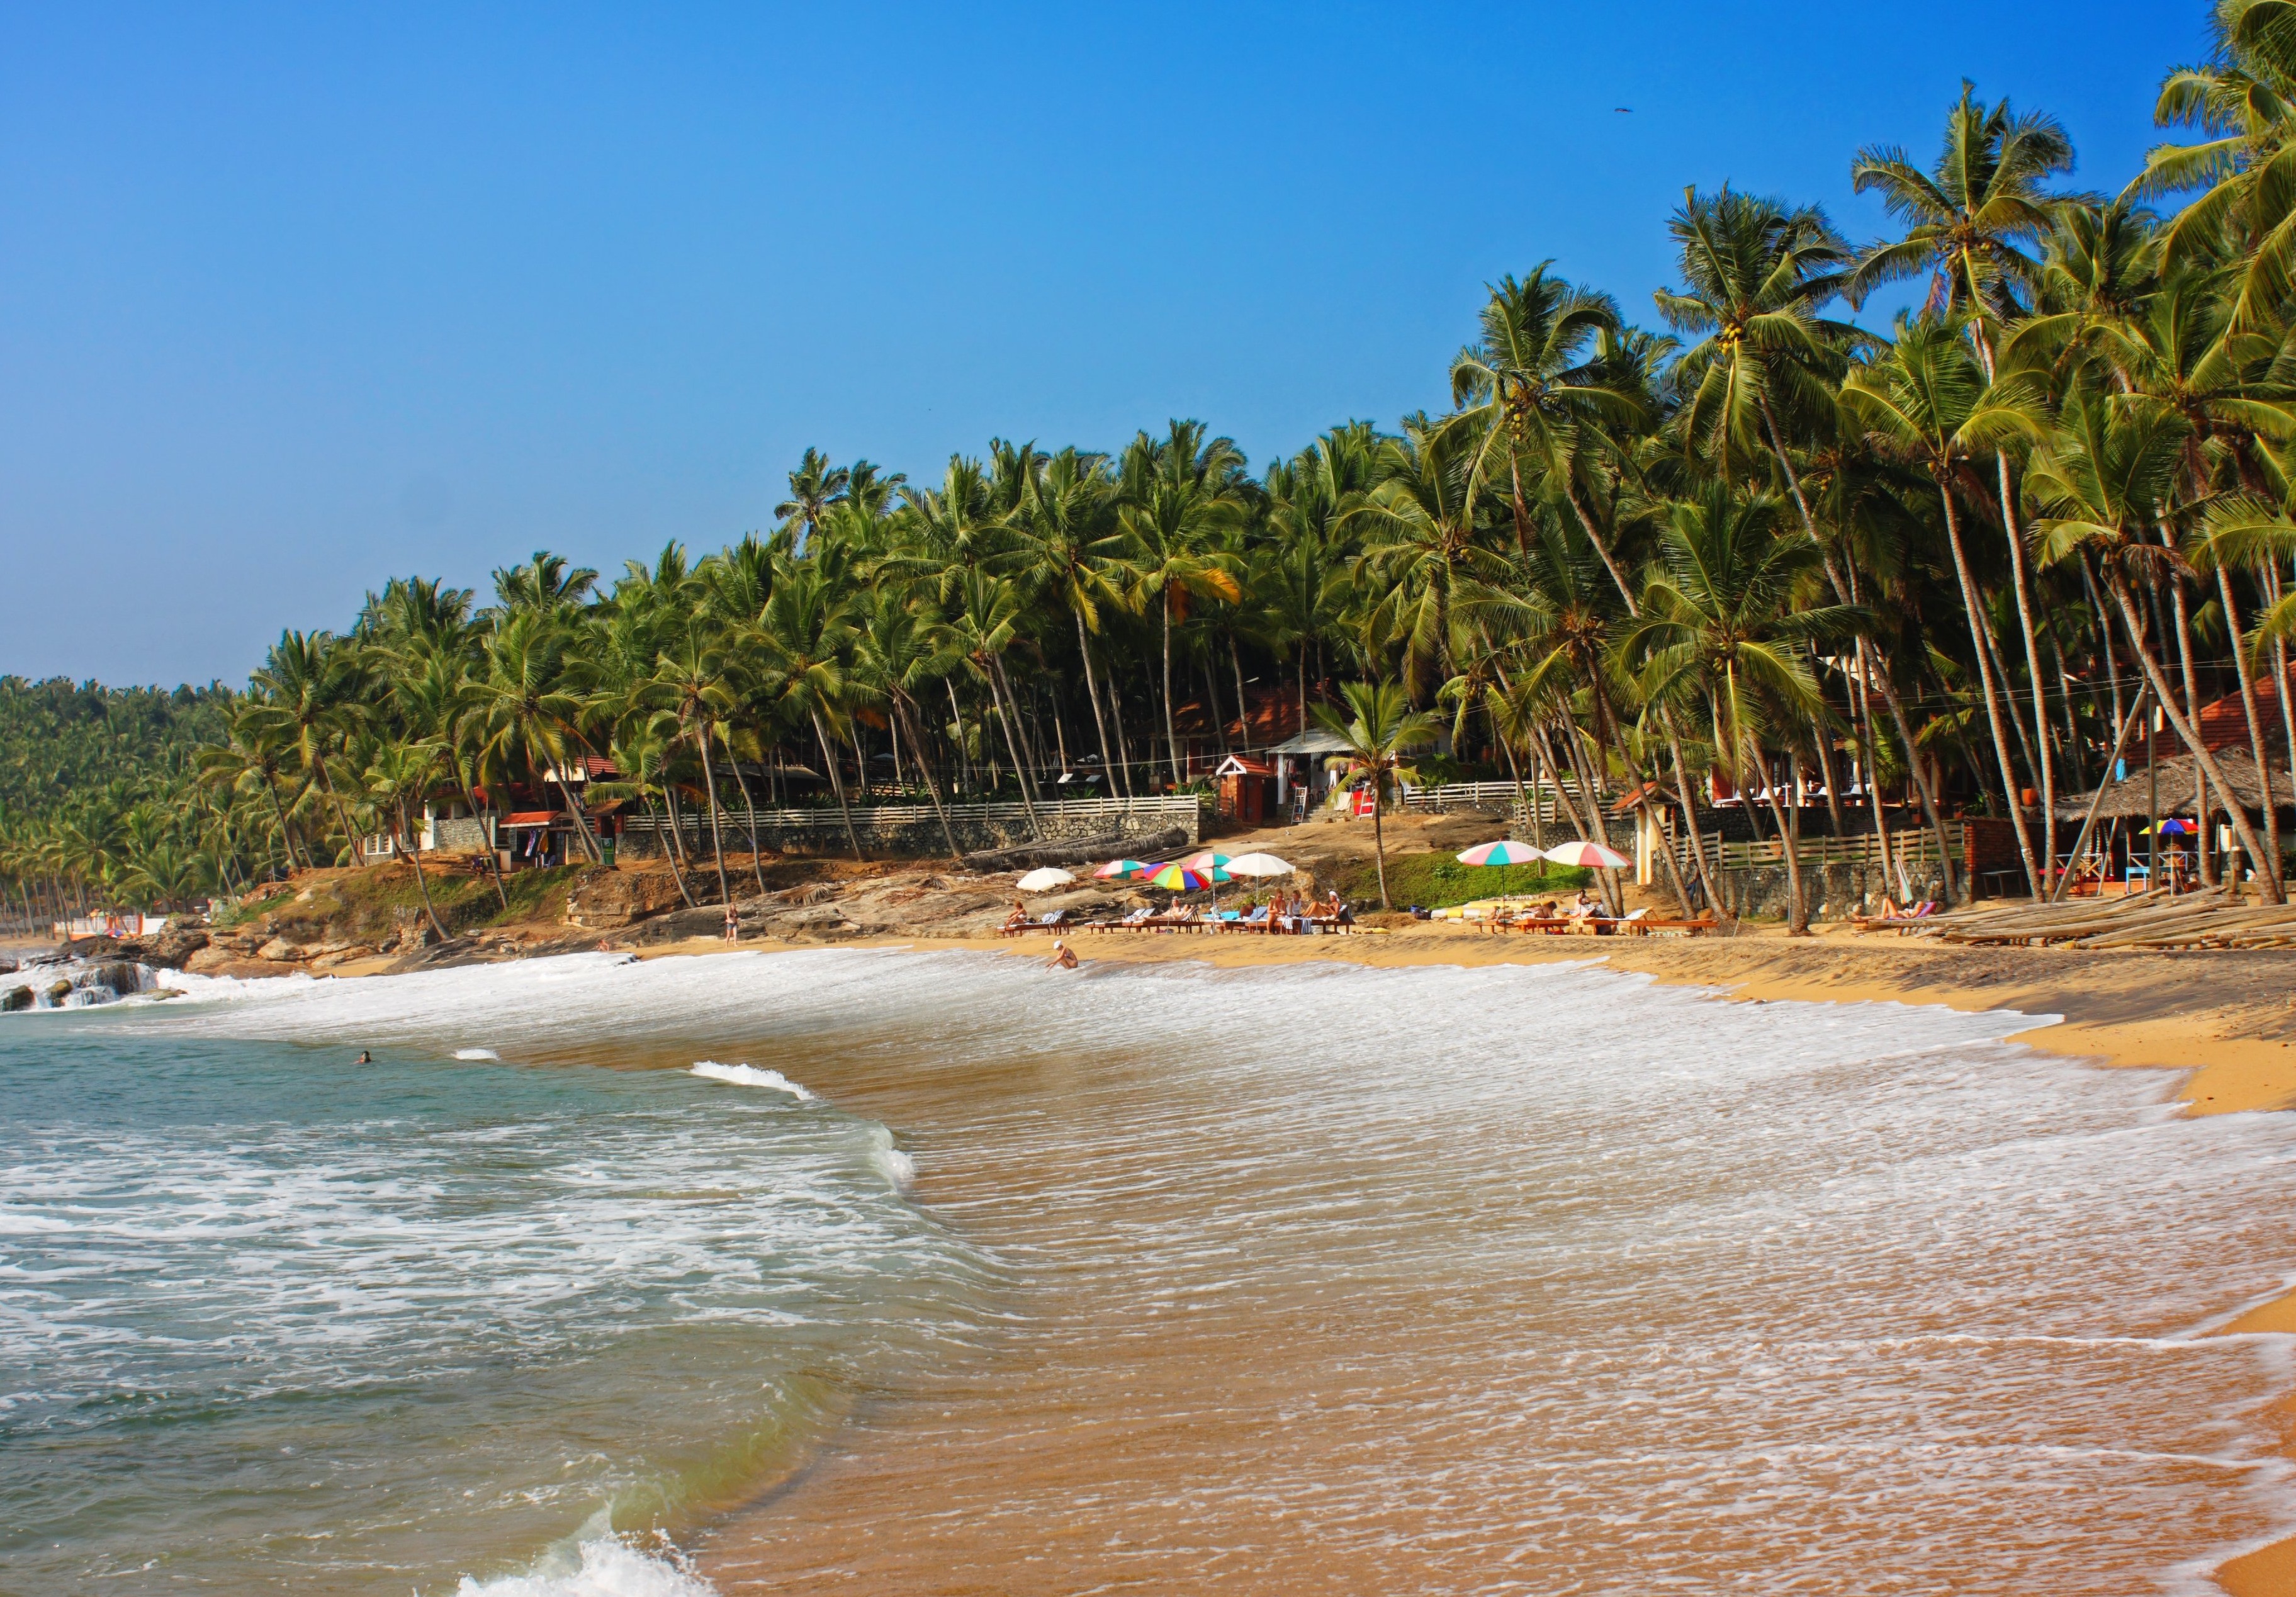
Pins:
<point x="1045" y="880"/>
<point x="1258" y="865"/>
<point x="1589" y="854"/>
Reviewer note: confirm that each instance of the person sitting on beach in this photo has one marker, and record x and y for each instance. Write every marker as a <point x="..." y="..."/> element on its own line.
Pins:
<point x="1583" y="906"/>
<point x="1018" y="918"/>
<point x="1064" y="956"/>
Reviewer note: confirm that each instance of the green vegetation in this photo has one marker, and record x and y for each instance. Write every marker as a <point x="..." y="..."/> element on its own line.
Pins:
<point x="1953" y="559"/>
<point x="374" y="903"/>
<point x="1434" y="880"/>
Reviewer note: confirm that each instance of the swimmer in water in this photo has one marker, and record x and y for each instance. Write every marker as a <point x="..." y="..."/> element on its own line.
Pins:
<point x="1064" y="956"/>
<point x="363" y="1059"/>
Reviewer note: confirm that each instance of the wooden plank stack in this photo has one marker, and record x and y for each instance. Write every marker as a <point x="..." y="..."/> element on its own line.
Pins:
<point x="2214" y="918"/>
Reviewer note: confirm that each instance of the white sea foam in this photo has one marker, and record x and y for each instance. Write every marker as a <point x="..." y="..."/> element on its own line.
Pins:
<point x="476" y="1053"/>
<point x="749" y="1075"/>
<point x="601" y="1566"/>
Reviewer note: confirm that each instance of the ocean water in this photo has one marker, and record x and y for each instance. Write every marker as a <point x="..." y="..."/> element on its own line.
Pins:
<point x="859" y="1270"/>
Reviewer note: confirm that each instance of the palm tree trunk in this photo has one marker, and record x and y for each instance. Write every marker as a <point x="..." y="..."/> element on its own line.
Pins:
<point x="924" y="769"/>
<point x="837" y="783"/>
<point x="581" y="821"/>
<point x="1171" y="742"/>
<point x="1091" y="692"/>
<point x="1243" y="706"/>
<point x="2206" y="856"/>
<point x="1977" y="635"/>
<point x="494" y="861"/>
<point x="421" y="886"/>
<point x="717" y="829"/>
<point x="750" y="808"/>
<point x="1790" y="840"/>
<point x="1379" y="834"/>
<point x="677" y="841"/>
<point x="1015" y="736"/>
<point x="2185" y="730"/>
<point x="1012" y="747"/>
<point x="2040" y="749"/>
<point x="2270" y="865"/>
<point x="286" y="839"/>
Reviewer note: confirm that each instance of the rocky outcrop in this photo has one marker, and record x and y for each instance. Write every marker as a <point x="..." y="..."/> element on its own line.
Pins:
<point x="608" y="900"/>
<point x="15" y="999"/>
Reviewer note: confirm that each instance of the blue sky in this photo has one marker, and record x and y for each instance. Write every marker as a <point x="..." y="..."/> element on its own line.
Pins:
<point x="296" y="298"/>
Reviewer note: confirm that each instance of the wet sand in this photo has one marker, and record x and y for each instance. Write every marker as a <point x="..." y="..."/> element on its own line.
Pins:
<point x="2222" y="1018"/>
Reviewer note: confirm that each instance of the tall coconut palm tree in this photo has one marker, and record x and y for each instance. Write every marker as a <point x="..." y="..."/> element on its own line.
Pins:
<point x="1720" y="628"/>
<point x="1381" y="729"/>
<point x="2109" y="465"/>
<point x="1927" y="401"/>
<point x="1177" y="495"/>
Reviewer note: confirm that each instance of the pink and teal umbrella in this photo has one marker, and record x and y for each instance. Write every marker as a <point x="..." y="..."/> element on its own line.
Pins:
<point x="1206" y="860"/>
<point x="1506" y="852"/>
<point x="1124" y="867"/>
<point x="1590" y="855"/>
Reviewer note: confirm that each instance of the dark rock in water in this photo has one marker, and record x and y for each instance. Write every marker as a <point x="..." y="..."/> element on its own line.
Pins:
<point x="123" y="977"/>
<point x="8" y="967"/>
<point x="15" y="999"/>
<point x="58" y="994"/>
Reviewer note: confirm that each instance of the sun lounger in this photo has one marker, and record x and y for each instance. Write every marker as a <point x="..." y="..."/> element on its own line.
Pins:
<point x="1911" y="918"/>
<point x="1654" y="926"/>
<point x="1047" y="921"/>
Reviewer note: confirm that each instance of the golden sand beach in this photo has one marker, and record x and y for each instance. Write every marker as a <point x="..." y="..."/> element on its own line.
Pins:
<point x="2222" y="1020"/>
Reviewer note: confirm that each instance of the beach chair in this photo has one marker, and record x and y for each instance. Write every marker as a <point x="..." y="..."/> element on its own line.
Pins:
<point x="1654" y="926"/>
<point x="1047" y="921"/>
<point x="1123" y="923"/>
<point x="1256" y="921"/>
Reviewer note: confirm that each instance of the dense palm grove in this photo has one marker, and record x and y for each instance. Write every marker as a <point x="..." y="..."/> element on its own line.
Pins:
<point x="1954" y="561"/>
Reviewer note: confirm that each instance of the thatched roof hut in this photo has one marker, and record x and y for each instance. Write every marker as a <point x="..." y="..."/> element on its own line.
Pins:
<point x="2179" y="790"/>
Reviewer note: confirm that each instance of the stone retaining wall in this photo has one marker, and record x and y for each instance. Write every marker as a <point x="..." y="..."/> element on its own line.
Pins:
<point x="905" y="834"/>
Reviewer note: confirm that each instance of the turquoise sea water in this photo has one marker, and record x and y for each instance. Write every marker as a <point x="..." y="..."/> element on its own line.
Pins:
<point x="268" y="1321"/>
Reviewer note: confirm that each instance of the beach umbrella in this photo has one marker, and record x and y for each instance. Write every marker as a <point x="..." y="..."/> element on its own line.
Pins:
<point x="1258" y="865"/>
<point x="1506" y="852"/>
<point x="1184" y="877"/>
<point x="1045" y="880"/>
<point x="1588" y="854"/>
<point x="2170" y="828"/>
<point x="1124" y="867"/>
<point x="1205" y="860"/>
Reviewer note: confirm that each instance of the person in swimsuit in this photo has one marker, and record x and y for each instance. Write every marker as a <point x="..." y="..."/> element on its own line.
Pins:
<point x="363" y="1059"/>
<point x="1064" y="956"/>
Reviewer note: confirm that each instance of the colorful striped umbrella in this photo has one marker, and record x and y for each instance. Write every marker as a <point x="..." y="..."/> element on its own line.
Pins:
<point x="1505" y="852"/>
<point x="1589" y="854"/>
<point x="1124" y="867"/>
<point x="1183" y="878"/>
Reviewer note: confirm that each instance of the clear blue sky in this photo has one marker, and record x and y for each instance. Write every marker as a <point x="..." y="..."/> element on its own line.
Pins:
<point x="295" y="298"/>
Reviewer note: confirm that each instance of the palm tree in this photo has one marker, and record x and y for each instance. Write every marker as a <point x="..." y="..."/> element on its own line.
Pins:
<point x="1421" y="554"/>
<point x="803" y="639"/>
<point x="1071" y="549"/>
<point x="546" y="585"/>
<point x="690" y="681"/>
<point x="1720" y="628"/>
<point x="307" y="695"/>
<point x="2245" y="97"/>
<point x="526" y="711"/>
<point x="894" y="656"/>
<point x="1927" y="401"/>
<point x="1177" y="494"/>
<point x="1540" y="386"/>
<point x="2109" y="466"/>
<point x="1381" y="728"/>
<point x="399" y="773"/>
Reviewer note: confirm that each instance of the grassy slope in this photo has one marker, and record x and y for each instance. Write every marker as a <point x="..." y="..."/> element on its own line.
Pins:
<point x="369" y="904"/>
<point x="1433" y="880"/>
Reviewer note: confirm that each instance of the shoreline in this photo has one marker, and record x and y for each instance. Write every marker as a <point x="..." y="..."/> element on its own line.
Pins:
<point x="2194" y="1014"/>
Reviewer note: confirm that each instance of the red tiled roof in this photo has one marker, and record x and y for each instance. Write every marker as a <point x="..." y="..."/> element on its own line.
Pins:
<point x="2223" y="725"/>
